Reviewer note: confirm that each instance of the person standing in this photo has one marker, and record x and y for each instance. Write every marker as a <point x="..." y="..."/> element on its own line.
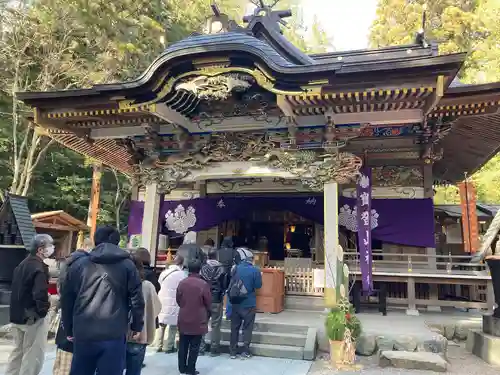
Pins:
<point x="190" y="251"/>
<point x="64" y="352"/>
<point x="169" y="281"/>
<point x="100" y="292"/>
<point x="209" y="245"/>
<point x="29" y="305"/>
<point x="194" y="299"/>
<point x="247" y="279"/>
<point x="149" y="271"/>
<point x="136" y="346"/>
<point x="213" y="273"/>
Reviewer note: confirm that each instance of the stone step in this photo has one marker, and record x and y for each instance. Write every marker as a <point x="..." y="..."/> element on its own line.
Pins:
<point x="270" y="338"/>
<point x="4" y="315"/>
<point x="268" y="350"/>
<point x="413" y="360"/>
<point x="271" y="327"/>
<point x="485" y="346"/>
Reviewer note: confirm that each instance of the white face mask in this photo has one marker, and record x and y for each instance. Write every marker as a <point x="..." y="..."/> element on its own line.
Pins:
<point x="48" y="251"/>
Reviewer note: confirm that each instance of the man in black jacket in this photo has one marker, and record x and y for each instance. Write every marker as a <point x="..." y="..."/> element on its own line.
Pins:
<point x="29" y="305"/>
<point x="213" y="273"/>
<point x="101" y="291"/>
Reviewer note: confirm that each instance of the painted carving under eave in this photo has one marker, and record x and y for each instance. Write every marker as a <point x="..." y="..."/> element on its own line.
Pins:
<point x="218" y="87"/>
<point x="313" y="168"/>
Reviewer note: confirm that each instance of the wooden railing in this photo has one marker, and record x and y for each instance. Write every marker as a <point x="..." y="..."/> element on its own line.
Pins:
<point x="413" y="280"/>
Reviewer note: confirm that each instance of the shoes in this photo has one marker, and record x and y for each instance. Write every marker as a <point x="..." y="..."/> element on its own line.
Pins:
<point x="159" y="350"/>
<point x="246" y="355"/>
<point x="143" y="365"/>
<point x="214" y="353"/>
<point x="191" y="373"/>
<point x="170" y="351"/>
<point x="234" y="356"/>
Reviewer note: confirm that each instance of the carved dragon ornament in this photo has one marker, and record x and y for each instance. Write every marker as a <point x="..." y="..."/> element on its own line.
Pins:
<point x="312" y="168"/>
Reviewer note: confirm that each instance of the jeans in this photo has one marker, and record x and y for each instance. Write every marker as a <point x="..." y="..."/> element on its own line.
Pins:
<point x="135" y="358"/>
<point x="215" y="322"/>
<point x="241" y="318"/>
<point x="189" y="347"/>
<point x="104" y="357"/>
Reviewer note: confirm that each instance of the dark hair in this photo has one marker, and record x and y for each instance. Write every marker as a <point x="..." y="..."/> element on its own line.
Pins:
<point x="194" y="266"/>
<point x="144" y="255"/>
<point x="138" y="264"/>
<point x="212" y="254"/>
<point x="209" y="242"/>
<point x="179" y="260"/>
<point x="106" y="234"/>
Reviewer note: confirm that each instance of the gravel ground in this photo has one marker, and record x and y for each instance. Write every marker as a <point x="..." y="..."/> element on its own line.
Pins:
<point x="461" y="363"/>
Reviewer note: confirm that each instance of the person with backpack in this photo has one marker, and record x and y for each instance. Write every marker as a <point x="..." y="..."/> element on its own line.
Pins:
<point x="101" y="302"/>
<point x="245" y="280"/>
<point x="213" y="273"/>
<point x="169" y="281"/>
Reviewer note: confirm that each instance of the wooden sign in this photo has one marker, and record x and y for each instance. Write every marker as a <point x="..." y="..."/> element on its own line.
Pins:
<point x="470" y="227"/>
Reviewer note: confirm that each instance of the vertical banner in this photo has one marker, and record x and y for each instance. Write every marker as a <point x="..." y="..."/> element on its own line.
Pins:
<point x="364" y="218"/>
<point x="470" y="229"/>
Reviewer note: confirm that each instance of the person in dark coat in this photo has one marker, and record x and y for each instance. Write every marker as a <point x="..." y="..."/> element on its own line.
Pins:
<point x="101" y="300"/>
<point x="194" y="300"/>
<point x="149" y="271"/>
<point x="213" y="273"/>
<point x="64" y="353"/>
<point x="189" y="250"/>
<point x="29" y="306"/>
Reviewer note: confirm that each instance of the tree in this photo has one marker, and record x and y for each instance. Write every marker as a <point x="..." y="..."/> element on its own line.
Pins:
<point x="458" y="25"/>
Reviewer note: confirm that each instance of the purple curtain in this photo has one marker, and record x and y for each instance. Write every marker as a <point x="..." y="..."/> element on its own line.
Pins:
<point x="400" y="221"/>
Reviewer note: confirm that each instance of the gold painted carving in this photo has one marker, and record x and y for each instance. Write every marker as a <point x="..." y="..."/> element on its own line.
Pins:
<point x="218" y="87"/>
<point x="313" y="169"/>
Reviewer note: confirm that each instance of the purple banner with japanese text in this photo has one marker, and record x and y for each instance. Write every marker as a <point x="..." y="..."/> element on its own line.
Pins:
<point x="407" y="222"/>
<point x="364" y="218"/>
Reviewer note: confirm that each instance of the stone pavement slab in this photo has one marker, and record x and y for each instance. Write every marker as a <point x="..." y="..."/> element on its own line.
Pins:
<point x="162" y="364"/>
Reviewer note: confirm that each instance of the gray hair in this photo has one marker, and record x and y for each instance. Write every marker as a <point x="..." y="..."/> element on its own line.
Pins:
<point x="189" y="238"/>
<point x="39" y="241"/>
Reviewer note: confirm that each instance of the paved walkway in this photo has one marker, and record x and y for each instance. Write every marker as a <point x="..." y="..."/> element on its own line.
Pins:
<point x="163" y="364"/>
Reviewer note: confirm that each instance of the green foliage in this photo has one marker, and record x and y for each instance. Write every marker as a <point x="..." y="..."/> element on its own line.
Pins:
<point x="458" y="25"/>
<point x="340" y="318"/>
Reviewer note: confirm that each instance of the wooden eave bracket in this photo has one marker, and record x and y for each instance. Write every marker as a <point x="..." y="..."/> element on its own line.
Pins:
<point x="172" y="116"/>
<point x="436" y="96"/>
<point x="285" y="106"/>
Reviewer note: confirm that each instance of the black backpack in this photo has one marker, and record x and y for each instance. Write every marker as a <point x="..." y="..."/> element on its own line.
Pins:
<point x="237" y="292"/>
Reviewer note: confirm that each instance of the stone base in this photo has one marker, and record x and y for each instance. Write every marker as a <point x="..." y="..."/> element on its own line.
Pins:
<point x="484" y="346"/>
<point x="491" y="325"/>
<point x="413" y="361"/>
<point x="412" y="312"/>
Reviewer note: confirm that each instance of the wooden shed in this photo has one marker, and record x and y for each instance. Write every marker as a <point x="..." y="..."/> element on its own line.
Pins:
<point x="63" y="227"/>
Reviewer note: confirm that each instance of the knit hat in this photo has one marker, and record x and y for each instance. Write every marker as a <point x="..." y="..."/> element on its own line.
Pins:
<point x="243" y="255"/>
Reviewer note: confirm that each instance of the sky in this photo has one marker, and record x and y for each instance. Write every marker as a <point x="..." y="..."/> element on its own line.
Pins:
<point x="346" y="21"/>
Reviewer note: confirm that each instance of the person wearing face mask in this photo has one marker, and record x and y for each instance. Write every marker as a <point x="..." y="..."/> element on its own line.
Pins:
<point x="29" y="306"/>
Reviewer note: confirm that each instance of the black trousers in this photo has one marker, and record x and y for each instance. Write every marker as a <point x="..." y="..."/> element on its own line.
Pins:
<point x="189" y="347"/>
<point x="241" y="318"/>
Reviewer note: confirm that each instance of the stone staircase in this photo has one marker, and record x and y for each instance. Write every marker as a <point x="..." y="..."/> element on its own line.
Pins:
<point x="4" y="307"/>
<point x="275" y="340"/>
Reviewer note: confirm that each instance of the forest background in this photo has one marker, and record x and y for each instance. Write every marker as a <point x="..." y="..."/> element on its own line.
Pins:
<point x="62" y="44"/>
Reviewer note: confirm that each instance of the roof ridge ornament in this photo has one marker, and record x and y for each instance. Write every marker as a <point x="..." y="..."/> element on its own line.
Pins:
<point x="274" y="17"/>
<point x="220" y="22"/>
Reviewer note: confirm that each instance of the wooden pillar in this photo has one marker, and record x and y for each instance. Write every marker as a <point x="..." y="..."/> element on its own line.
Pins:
<point x="430" y="251"/>
<point x="333" y="253"/>
<point x="151" y="220"/>
<point x="95" y="195"/>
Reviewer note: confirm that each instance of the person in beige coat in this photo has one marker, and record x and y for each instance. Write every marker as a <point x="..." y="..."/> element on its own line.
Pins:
<point x="137" y="343"/>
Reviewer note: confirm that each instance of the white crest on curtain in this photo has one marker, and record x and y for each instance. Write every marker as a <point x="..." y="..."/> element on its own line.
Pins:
<point x="349" y="218"/>
<point x="181" y="220"/>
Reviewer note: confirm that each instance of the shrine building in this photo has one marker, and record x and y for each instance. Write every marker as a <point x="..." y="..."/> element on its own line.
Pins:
<point x="309" y="160"/>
